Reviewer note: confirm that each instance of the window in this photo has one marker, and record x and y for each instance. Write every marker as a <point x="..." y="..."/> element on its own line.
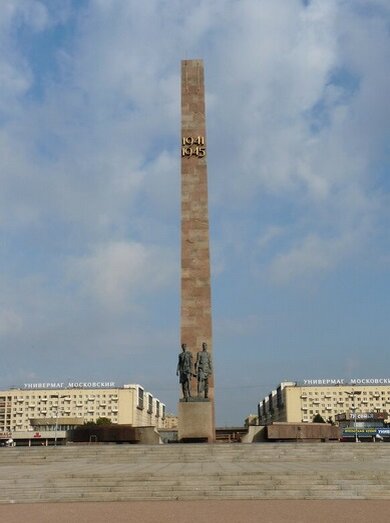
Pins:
<point x="140" y="400"/>
<point x="150" y="404"/>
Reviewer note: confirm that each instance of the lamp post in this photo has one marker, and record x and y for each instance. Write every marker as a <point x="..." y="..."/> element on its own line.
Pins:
<point x="56" y="424"/>
<point x="352" y="395"/>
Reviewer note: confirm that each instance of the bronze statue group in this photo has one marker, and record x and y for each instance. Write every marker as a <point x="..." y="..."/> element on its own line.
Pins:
<point x="202" y="371"/>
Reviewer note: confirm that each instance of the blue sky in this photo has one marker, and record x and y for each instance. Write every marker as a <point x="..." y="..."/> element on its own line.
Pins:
<point x="298" y="157"/>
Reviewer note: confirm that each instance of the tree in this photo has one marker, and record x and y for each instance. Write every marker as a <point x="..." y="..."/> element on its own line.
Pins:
<point x="103" y="421"/>
<point x="318" y="419"/>
<point x="99" y="421"/>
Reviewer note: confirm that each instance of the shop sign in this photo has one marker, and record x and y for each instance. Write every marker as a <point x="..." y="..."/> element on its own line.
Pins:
<point x="383" y="432"/>
<point x="70" y="385"/>
<point x="361" y="432"/>
<point x="346" y="381"/>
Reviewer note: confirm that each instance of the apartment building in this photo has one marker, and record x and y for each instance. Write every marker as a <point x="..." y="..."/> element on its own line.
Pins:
<point x="60" y="406"/>
<point x="294" y="402"/>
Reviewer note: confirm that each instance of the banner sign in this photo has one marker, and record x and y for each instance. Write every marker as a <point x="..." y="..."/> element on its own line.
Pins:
<point x="383" y="432"/>
<point x="346" y="381"/>
<point x="71" y="385"/>
<point x="366" y="432"/>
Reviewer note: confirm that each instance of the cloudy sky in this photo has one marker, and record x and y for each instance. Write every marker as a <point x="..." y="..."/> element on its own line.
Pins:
<point x="298" y="155"/>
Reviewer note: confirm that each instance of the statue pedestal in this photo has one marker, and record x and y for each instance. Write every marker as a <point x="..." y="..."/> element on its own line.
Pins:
<point x="196" y="422"/>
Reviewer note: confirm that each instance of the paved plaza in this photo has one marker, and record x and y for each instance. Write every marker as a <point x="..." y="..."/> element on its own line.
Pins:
<point x="251" y="511"/>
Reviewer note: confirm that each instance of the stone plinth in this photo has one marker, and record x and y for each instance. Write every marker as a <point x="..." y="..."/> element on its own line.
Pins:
<point x="196" y="421"/>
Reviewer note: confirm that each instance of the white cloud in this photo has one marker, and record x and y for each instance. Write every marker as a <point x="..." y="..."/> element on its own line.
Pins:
<point x="15" y="72"/>
<point x="117" y="273"/>
<point x="270" y="234"/>
<point x="310" y="256"/>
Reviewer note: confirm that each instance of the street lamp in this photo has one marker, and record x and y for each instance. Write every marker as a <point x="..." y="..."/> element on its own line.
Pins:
<point x="352" y="395"/>
<point x="56" y="425"/>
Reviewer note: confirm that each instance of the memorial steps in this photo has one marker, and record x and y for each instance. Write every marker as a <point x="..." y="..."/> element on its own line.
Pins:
<point x="195" y="472"/>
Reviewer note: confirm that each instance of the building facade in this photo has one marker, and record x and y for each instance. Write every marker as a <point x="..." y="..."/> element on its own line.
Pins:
<point x="294" y="402"/>
<point x="171" y="421"/>
<point x="363" y="425"/>
<point x="54" y="406"/>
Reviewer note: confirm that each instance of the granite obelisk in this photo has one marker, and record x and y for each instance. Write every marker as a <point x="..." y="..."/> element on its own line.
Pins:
<point x="196" y="414"/>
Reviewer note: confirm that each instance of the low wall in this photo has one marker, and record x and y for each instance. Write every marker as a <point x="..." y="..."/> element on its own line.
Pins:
<point x="114" y="434"/>
<point x="303" y="431"/>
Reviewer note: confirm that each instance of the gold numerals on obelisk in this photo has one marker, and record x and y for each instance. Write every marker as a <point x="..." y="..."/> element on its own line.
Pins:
<point x="191" y="146"/>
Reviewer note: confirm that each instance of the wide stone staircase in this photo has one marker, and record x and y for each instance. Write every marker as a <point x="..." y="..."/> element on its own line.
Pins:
<point x="195" y="472"/>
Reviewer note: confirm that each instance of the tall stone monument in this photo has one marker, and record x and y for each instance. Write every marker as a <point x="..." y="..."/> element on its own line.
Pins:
<point x="196" y="408"/>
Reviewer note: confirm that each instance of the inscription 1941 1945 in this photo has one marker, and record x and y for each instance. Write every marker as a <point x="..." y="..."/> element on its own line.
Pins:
<point x="191" y="146"/>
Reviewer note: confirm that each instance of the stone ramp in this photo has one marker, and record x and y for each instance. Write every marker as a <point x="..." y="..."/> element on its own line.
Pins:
<point x="195" y="472"/>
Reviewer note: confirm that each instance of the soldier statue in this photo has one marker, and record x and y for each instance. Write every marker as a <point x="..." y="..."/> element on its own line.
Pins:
<point x="203" y="369"/>
<point x="184" y="370"/>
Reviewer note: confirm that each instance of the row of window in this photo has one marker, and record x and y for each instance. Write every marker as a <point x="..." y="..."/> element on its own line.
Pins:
<point x="65" y="397"/>
<point x="345" y="394"/>
<point x="160" y="409"/>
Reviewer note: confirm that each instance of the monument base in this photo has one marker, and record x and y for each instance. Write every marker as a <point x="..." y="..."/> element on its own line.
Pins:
<point x="196" y="422"/>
